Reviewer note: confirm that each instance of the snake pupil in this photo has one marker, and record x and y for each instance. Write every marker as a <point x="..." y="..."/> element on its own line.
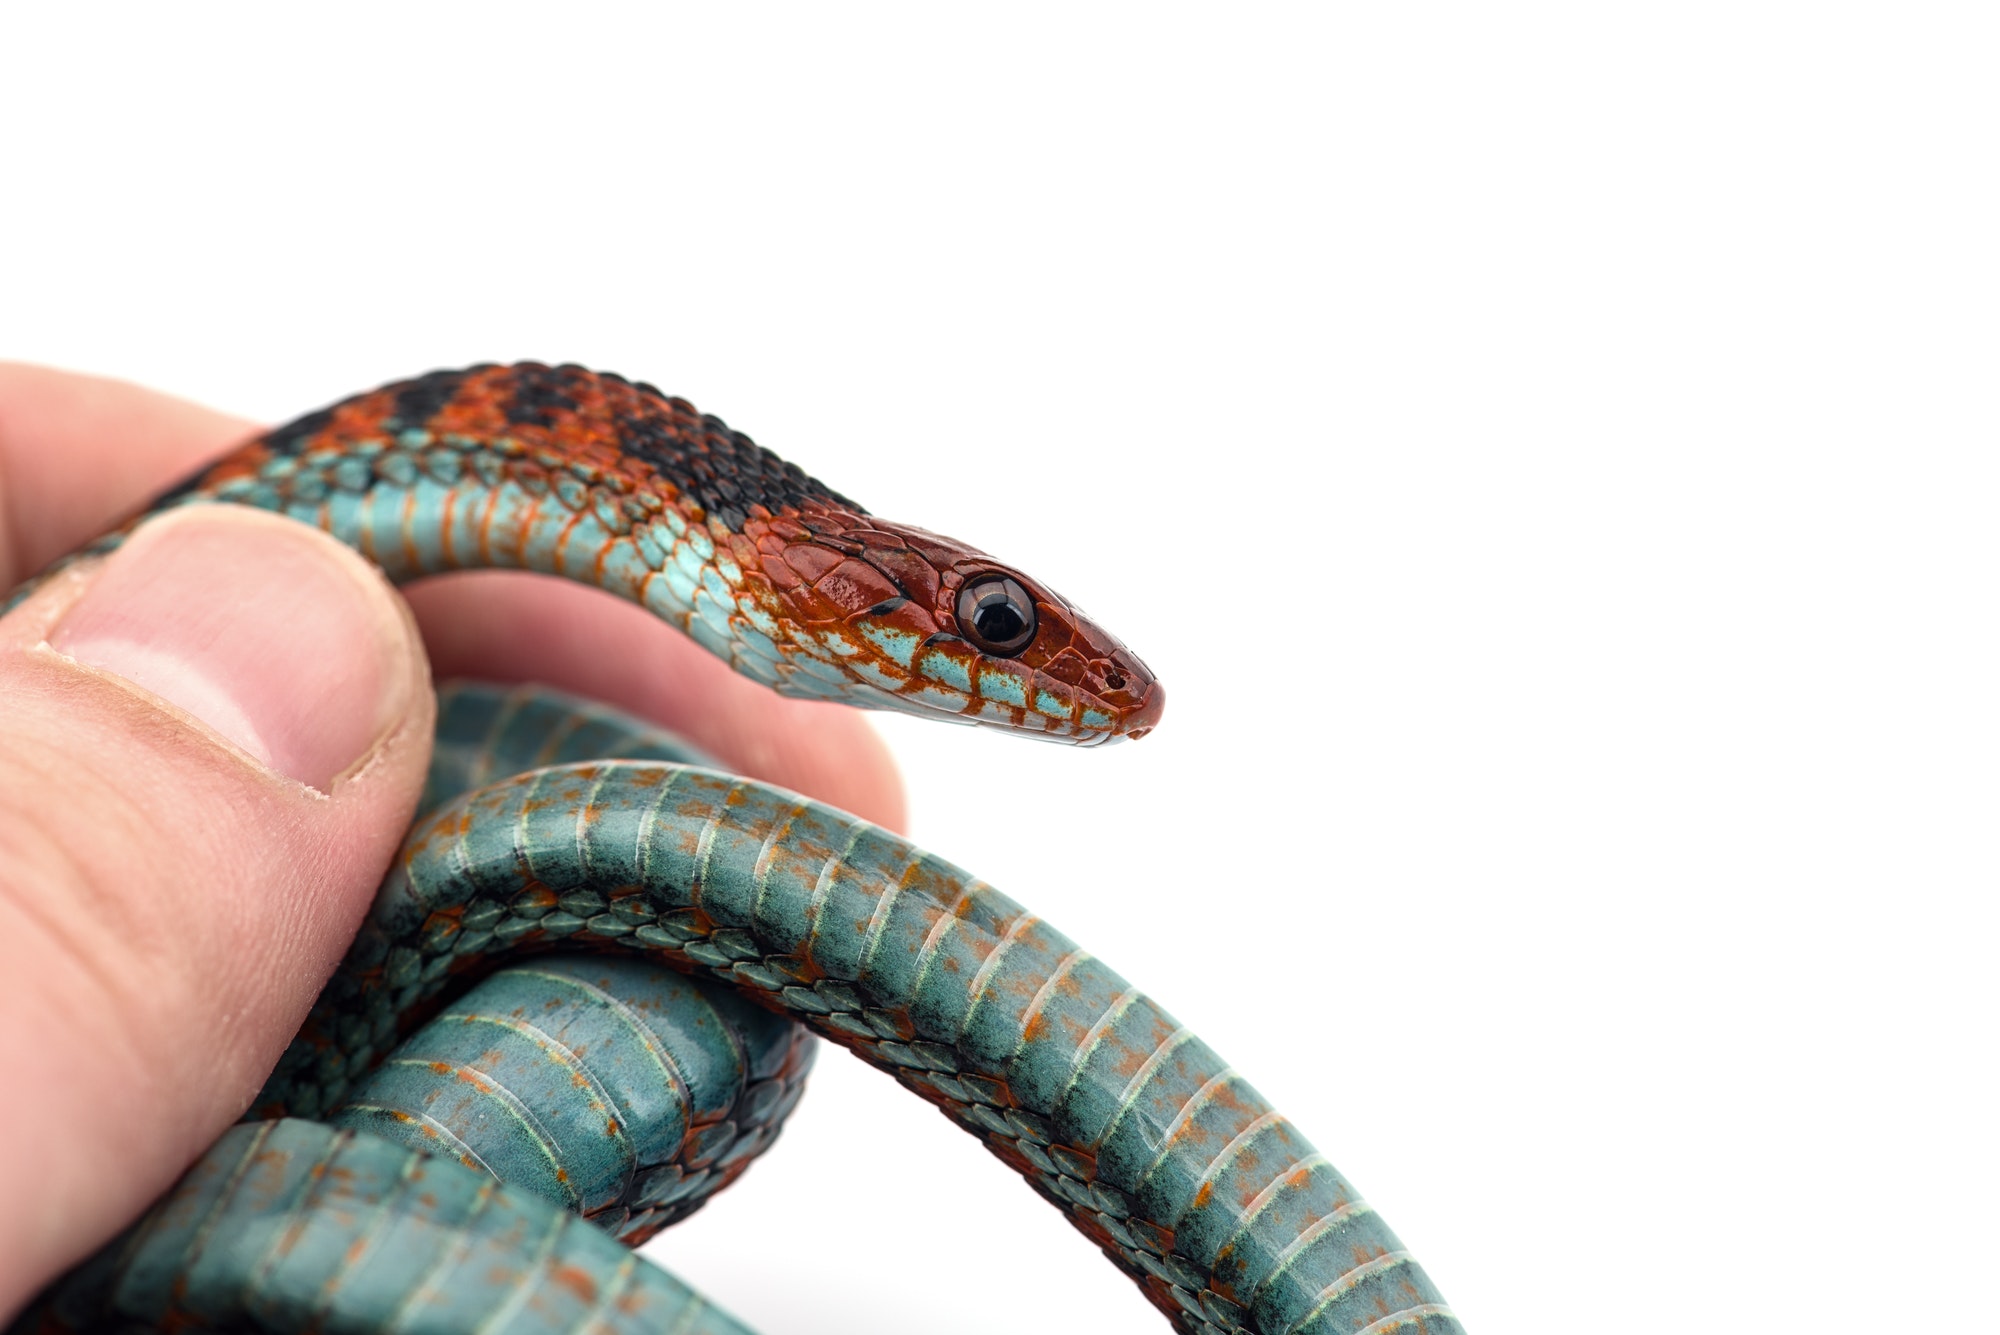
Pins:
<point x="997" y="621"/>
<point x="997" y="614"/>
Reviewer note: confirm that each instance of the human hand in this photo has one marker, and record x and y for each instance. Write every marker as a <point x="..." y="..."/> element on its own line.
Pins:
<point x="210" y="745"/>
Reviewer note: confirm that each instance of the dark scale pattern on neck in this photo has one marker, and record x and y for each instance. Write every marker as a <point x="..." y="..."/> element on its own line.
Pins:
<point x="574" y="410"/>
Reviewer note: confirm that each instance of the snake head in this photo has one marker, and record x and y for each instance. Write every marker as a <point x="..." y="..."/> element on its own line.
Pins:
<point x="891" y="616"/>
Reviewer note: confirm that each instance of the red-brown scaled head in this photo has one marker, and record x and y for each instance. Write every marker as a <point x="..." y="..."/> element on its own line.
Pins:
<point x="924" y="624"/>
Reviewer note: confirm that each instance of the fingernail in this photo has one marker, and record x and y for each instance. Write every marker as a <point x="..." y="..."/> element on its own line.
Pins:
<point x="270" y="632"/>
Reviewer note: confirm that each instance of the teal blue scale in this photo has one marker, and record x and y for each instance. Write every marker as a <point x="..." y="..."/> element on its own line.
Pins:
<point x="298" y="1226"/>
<point x="1116" y="1113"/>
<point x="607" y="1084"/>
<point x="610" y="1087"/>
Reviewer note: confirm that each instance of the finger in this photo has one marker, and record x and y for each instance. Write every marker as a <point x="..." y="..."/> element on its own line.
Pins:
<point x="210" y="746"/>
<point x="80" y="453"/>
<point x="504" y="626"/>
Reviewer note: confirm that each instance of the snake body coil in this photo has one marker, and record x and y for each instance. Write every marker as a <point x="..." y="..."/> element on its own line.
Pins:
<point x="1127" y="1123"/>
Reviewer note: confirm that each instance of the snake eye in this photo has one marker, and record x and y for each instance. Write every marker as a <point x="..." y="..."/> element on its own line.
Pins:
<point x="996" y="614"/>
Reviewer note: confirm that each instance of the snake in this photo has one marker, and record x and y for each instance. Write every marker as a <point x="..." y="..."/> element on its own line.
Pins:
<point x="472" y="1125"/>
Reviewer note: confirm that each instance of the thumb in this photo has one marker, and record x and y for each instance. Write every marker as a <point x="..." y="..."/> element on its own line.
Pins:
<point x="210" y="744"/>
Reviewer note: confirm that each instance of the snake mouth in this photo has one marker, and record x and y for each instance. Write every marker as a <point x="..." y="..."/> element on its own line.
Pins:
<point x="1078" y="722"/>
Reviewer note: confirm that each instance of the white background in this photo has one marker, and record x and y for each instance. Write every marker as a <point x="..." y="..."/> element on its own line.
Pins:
<point x="1547" y="450"/>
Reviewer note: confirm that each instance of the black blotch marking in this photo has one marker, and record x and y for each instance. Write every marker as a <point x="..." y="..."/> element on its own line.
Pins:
<point x="293" y="436"/>
<point x="540" y="393"/>
<point x="716" y="466"/>
<point x="712" y="464"/>
<point x="419" y="400"/>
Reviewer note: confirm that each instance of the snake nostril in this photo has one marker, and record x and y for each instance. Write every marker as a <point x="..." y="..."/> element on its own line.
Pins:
<point x="1114" y="679"/>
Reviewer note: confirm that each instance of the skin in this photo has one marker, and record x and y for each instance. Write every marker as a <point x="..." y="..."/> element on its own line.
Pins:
<point x="214" y="740"/>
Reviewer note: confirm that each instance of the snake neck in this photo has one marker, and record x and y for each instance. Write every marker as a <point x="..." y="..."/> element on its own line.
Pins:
<point x="589" y="476"/>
